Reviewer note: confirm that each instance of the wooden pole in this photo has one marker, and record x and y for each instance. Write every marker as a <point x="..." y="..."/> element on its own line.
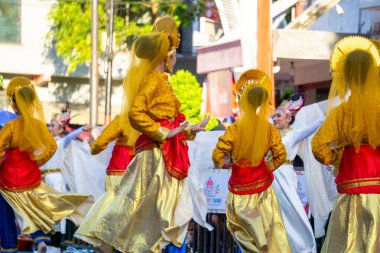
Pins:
<point x="264" y="41"/>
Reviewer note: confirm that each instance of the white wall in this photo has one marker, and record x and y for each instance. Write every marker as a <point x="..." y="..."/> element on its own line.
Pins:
<point x="355" y="12"/>
<point x="345" y="23"/>
<point x="28" y="57"/>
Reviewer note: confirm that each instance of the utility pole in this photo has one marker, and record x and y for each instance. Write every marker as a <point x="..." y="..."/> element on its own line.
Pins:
<point x="94" y="73"/>
<point x="264" y="41"/>
<point x="108" y="84"/>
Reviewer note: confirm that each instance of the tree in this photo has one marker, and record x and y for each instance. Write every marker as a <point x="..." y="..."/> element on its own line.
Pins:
<point x="70" y="31"/>
<point x="189" y="92"/>
<point x="1" y="82"/>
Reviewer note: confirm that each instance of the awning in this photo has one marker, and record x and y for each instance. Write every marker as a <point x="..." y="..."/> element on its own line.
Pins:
<point x="219" y="56"/>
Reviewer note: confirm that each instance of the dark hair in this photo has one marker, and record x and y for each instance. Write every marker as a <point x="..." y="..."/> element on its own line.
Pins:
<point x="146" y="46"/>
<point x="26" y="93"/>
<point x="292" y="120"/>
<point x="257" y="96"/>
<point x="357" y="65"/>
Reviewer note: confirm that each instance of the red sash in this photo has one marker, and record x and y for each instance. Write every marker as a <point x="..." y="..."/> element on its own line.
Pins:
<point x="174" y="150"/>
<point x="250" y="180"/>
<point x="121" y="157"/>
<point x="18" y="171"/>
<point x="359" y="172"/>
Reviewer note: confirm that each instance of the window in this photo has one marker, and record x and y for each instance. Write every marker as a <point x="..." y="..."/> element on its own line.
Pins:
<point x="10" y="21"/>
<point x="322" y="93"/>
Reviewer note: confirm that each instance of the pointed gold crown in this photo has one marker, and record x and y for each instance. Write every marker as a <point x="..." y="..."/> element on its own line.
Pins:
<point x="253" y="77"/>
<point x="167" y="25"/>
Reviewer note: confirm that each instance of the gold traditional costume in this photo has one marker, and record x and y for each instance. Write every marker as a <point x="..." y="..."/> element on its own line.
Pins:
<point x="27" y="144"/>
<point x="253" y="214"/>
<point x="350" y="139"/>
<point x="141" y="217"/>
<point x="122" y="155"/>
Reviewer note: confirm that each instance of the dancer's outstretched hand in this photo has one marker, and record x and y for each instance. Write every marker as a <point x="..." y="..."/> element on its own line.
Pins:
<point x="200" y="126"/>
<point x="90" y="139"/>
<point x="227" y="162"/>
<point x="87" y="128"/>
<point x="177" y="130"/>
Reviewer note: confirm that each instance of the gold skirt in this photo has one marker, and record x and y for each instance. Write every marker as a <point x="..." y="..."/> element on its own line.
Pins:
<point x="86" y="231"/>
<point x="141" y="216"/>
<point x="113" y="181"/>
<point x="354" y="225"/>
<point x="43" y="207"/>
<point x="255" y="222"/>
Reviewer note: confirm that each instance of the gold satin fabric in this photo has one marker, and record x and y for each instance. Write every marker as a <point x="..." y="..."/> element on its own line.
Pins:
<point x="141" y="215"/>
<point x="255" y="222"/>
<point x="43" y="207"/>
<point x="112" y="181"/>
<point x="354" y="225"/>
<point x="86" y="231"/>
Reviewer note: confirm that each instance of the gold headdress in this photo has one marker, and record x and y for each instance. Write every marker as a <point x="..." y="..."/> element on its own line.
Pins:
<point x="293" y="104"/>
<point x="22" y="91"/>
<point x="253" y="89"/>
<point x="147" y="52"/>
<point x="253" y="77"/>
<point x="16" y="83"/>
<point x="351" y="43"/>
<point x="354" y="66"/>
<point x="167" y="25"/>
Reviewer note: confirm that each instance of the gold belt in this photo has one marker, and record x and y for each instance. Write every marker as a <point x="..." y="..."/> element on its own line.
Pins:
<point x="288" y="162"/>
<point x="48" y="171"/>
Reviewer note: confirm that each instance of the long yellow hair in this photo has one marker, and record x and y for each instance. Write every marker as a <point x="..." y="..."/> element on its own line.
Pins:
<point x="254" y="88"/>
<point x="147" y="52"/>
<point x="355" y="77"/>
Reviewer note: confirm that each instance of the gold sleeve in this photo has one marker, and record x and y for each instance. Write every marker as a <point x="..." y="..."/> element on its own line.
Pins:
<point x="224" y="146"/>
<point x="188" y="134"/>
<point x="5" y="137"/>
<point x="110" y="133"/>
<point x="50" y="148"/>
<point x="138" y="114"/>
<point x="276" y="147"/>
<point x="326" y="136"/>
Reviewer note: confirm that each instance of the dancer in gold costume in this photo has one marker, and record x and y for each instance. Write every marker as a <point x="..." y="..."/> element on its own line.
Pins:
<point x="142" y="217"/>
<point x="350" y="139"/>
<point x="27" y="144"/>
<point x="123" y="152"/>
<point x="253" y="214"/>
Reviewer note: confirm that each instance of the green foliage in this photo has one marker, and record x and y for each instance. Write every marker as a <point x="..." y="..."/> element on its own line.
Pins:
<point x="1" y="82"/>
<point x="287" y="93"/>
<point x="70" y="31"/>
<point x="189" y="92"/>
<point x="213" y="122"/>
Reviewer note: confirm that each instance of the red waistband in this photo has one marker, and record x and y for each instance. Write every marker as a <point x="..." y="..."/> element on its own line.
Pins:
<point x="121" y="157"/>
<point x="174" y="150"/>
<point x="18" y="171"/>
<point x="250" y="180"/>
<point x="359" y="172"/>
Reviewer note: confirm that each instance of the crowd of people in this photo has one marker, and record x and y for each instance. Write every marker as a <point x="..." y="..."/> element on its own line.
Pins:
<point x="151" y="193"/>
